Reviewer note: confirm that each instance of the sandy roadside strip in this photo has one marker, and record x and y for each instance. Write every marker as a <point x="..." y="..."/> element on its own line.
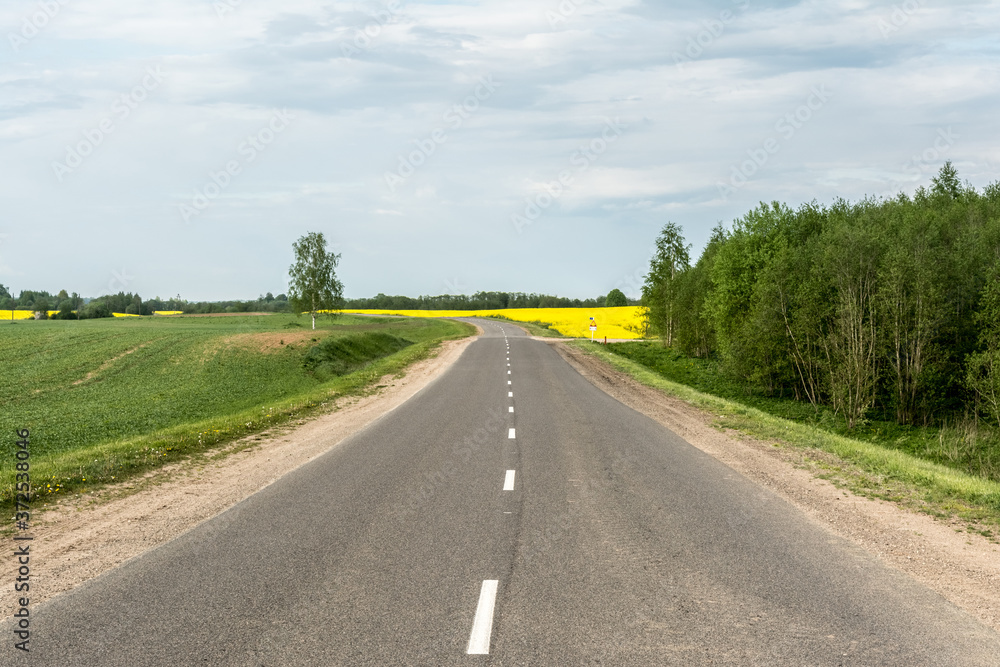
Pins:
<point x="962" y="567"/>
<point x="87" y="535"/>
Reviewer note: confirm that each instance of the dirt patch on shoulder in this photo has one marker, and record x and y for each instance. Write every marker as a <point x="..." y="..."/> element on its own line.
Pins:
<point x="269" y="341"/>
<point x="87" y="535"/>
<point x="962" y="567"/>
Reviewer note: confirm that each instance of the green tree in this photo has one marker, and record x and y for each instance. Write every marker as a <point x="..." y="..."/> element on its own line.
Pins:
<point x="983" y="374"/>
<point x="694" y="332"/>
<point x="946" y="183"/>
<point x="615" y="299"/>
<point x="912" y="299"/>
<point x="659" y="292"/>
<point x="750" y="338"/>
<point x="314" y="286"/>
<point x="797" y="293"/>
<point x="41" y="306"/>
<point x="853" y="254"/>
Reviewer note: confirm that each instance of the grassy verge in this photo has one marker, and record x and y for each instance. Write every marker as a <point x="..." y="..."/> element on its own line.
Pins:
<point x="966" y="446"/>
<point x="162" y="391"/>
<point x="867" y="468"/>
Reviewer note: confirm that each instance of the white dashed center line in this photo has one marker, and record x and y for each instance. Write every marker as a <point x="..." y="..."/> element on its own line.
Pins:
<point x="510" y="409"/>
<point x="482" y="627"/>
<point x="510" y="434"/>
<point x="510" y="394"/>
<point x="508" y="482"/>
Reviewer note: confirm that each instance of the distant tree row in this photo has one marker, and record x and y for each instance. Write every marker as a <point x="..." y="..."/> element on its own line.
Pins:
<point x="883" y="305"/>
<point x="76" y="307"/>
<point x="39" y="301"/>
<point x="485" y="301"/>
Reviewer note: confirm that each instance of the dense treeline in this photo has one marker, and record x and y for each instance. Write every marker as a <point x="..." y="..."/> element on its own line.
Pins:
<point x="76" y="307"/>
<point x="879" y="307"/>
<point x="73" y="306"/>
<point x="480" y="301"/>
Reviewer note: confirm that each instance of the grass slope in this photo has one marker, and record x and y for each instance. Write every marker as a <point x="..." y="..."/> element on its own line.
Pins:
<point x="106" y="399"/>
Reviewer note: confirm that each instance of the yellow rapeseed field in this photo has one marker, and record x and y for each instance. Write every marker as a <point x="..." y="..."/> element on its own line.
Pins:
<point x="23" y="314"/>
<point x="18" y="314"/>
<point x="624" y="322"/>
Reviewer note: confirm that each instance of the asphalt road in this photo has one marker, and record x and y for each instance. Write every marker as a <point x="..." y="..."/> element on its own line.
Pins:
<point x="612" y="542"/>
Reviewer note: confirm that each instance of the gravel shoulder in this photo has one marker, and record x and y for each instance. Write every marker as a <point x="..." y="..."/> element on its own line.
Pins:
<point x="963" y="567"/>
<point x="86" y="535"/>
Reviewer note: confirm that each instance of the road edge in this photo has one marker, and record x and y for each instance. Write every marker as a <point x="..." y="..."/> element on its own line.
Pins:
<point x="964" y="568"/>
<point x="85" y="536"/>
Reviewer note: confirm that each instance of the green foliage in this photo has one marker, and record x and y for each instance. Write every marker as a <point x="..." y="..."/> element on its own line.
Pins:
<point x="65" y="312"/>
<point x="477" y="301"/>
<point x="695" y="333"/>
<point x="983" y="374"/>
<point x="314" y="285"/>
<point x="660" y="293"/>
<point x="615" y="299"/>
<point x="873" y="309"/>
<point x="339" y="356"/>
<point x="946" y="183"/>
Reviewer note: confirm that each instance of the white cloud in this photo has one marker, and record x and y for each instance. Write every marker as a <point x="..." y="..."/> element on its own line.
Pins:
<point x="356" y="114"/>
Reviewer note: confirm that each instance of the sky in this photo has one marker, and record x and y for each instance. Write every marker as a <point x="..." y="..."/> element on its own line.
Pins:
<point x="181" y="146"/>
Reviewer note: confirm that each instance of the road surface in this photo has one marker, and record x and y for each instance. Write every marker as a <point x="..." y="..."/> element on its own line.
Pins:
<point x="509" y="514"/>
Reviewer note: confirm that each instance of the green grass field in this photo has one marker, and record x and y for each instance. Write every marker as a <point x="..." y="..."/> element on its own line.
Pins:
<point x="106" y="399"/>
